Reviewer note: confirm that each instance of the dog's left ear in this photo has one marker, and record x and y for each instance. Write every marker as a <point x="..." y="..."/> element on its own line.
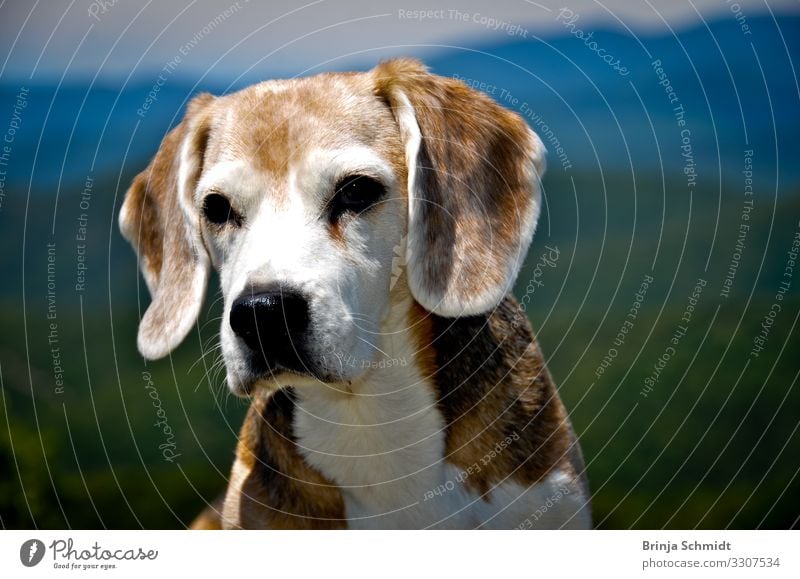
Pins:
<point x="474" y="171"/>
<point x="160" y="220"/>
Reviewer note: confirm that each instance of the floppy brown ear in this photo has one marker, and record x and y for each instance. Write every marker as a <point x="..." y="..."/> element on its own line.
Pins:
<point x="159" y="219"/>
<point x="474" y="171"/>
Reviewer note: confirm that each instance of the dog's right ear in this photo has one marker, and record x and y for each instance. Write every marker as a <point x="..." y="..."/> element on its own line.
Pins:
<point x="474" y="188"/>
<point x="160" y="220"/>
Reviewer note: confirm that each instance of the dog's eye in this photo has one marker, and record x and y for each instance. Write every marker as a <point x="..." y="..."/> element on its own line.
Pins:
<point x="218" y="210"/>
<point x="355" y="193"/>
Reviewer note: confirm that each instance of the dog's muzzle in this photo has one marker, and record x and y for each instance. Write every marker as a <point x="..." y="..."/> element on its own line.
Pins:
<point x="273" y="323"/>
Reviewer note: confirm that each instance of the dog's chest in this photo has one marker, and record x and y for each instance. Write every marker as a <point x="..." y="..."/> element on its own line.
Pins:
<point x="384" y="447"/>
<point x="386" y="454"/>
<point x="385" y="450"/>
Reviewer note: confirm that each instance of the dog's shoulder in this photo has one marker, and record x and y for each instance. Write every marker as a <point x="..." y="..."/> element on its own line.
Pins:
<point x="505" y="420"/>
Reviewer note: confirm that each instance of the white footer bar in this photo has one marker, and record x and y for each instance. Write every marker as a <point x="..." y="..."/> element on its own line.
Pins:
<point x="379" y="554"/>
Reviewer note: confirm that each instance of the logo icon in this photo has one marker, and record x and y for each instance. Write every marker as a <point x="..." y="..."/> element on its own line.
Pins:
<point x="31" y="552"/>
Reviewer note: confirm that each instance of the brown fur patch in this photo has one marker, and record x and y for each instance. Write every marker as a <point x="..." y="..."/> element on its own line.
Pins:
<point x="505" y="420"/>
<point x="280" y="491"/>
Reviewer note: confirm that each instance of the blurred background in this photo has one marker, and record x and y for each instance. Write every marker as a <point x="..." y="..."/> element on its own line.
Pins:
<point x="672" y="206"/>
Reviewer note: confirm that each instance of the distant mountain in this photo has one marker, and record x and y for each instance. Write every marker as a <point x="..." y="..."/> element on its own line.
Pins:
<point x="739" y="91"/>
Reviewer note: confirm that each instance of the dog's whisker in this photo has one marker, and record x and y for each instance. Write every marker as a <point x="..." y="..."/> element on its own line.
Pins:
<point x="212" y="370"/>
<point x="203" y="356"/>
<point x="210" y="321"/>
<point x="220" y="296"/>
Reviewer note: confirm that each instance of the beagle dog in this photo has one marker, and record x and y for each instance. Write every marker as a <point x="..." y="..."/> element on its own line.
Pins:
<point x="367" y="229"/>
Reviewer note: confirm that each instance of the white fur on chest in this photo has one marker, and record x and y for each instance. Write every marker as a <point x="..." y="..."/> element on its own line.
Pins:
<point x="384" y="446"/>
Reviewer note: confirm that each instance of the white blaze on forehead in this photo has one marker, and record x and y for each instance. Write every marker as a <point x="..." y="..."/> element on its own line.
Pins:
<point x="236" y="179"/>
<point x="281" y="244"/>
<point x="287" y="238"/>
<point x="319" y="171"/>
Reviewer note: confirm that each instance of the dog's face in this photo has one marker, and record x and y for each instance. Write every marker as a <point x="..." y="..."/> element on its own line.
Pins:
<point x="322" y="202"/>
<point x="301" y="209"/>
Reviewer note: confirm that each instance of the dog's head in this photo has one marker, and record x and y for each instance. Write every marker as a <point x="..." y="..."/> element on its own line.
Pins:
<point x="323" y="201"/>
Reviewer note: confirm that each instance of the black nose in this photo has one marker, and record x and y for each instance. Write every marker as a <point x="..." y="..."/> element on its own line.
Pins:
<point x="273" y="324"/>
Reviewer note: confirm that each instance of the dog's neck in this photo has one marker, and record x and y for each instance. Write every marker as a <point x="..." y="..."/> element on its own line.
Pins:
<point x="382" y="442"/>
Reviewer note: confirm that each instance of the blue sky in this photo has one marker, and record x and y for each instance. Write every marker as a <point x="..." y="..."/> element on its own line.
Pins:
<point x="112" y="39"/>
